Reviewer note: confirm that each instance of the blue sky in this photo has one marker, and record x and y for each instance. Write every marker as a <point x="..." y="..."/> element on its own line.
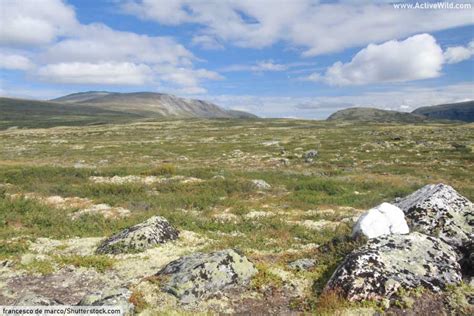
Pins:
<point x="278" y="58"/>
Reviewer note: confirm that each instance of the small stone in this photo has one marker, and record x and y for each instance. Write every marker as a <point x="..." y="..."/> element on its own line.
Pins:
<point x="302" y="264"/>
<point x="156" y="230"/>
<point x="284" y="161"/>
<point x="310" y="155"/>
<point x="261" y="184"/>
<point x="114" y="297"/>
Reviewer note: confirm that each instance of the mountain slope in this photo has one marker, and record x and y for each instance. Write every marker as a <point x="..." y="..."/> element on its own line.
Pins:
<point x="463" y="111"/>
<point x="32" y="113"/>
<point x="149" y="103"/>
<point x="361" y="114"/>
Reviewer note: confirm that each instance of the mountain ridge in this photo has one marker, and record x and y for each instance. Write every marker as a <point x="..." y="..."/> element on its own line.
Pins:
<point x="460" y="111"/>
<point x="146" y="103"/>
<point x="367" y="114"/>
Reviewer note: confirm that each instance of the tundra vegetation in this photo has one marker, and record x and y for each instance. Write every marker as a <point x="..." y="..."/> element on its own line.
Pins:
<point x="63" y="190"/>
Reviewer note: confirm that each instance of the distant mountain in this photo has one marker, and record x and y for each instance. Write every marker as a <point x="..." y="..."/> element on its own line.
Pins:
<point x="32" y="113"/>
<point x="361" y="114"/>
<point x="151" y="104"/>
<point x="462" y="111"/>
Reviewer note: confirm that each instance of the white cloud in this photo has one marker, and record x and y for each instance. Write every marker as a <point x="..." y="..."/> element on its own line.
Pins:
<point x="259" y="66"/>
<point x="417" y="57"/>
<point x="207" y="42"/>
<point x="456" y="54"/>
<point x="316" y="27"/>
<point x="32" y="22"/>
<point x="99" y="73"/>
<point x="15" y="62"/>
<point x="186" y="78"/>
<point x="169" y="12"/>
<point x="269" y="66"/>
<point x="97" y="42"/>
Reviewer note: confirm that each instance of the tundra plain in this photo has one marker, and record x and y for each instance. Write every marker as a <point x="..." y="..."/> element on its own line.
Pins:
<point x="63" y="189"/>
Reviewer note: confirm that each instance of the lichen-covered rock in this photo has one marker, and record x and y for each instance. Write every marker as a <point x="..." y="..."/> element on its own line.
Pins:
<point x="155" y="230"/>
<point x="385" y="264"/>
<point x="310" y="155"/>
<point x="302" y="264"/>
<point x="261" y="184"/>
<point x="200" y="275"/>
<point x="438" y="210"/>
<point x="384" y="219"/>
<point x="114" y="297"/>
<point x="33" y="299"/>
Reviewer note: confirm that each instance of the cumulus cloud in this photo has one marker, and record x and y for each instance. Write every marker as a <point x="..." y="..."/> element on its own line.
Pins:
<point x="417" y="57"/>
<point x="316" y="27"/>
<point x="96" y="73"/>
<point x="31" y="22"/>
<point x="456" y="54"/>
<point x="15" y="62"/>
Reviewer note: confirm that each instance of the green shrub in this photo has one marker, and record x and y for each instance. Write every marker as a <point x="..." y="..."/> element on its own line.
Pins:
<point x="166" y="169"/>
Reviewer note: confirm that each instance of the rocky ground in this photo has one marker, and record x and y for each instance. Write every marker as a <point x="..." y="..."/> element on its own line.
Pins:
<point x="239" y="217"/>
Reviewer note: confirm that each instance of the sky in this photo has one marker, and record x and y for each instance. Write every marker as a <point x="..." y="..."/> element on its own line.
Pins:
<point x="274" y="58"/>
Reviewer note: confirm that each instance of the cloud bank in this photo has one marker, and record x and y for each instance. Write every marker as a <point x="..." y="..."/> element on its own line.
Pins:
<point x="62" y="50"/>
<point x="317" y="28"/>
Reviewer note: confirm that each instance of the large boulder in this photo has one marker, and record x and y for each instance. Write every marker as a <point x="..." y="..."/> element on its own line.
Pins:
<point x="200" y="275"/>
<point x="384" y="219"/>
<point x="390" y="262"/>
<point x="155" y="230"/>
<point x="113" y="297"/>
<point x="438" y="210"/>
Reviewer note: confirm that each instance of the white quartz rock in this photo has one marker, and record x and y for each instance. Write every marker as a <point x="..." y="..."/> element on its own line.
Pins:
<point x="384" y="219"/>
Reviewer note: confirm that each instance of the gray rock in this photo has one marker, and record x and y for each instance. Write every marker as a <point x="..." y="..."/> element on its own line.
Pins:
<point x="33" y="299"/>
<point x="284" y="161"/>
<point x="155" y="230"/>
<point x="438" y="210"/>
<point x="385" y="264"/>
<point x="302" y="264"/>
<point x="310" y="155"/>
<point x="261" y="184"/>
<point x="200" y="275"/>
<point x="114" y="297"/>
